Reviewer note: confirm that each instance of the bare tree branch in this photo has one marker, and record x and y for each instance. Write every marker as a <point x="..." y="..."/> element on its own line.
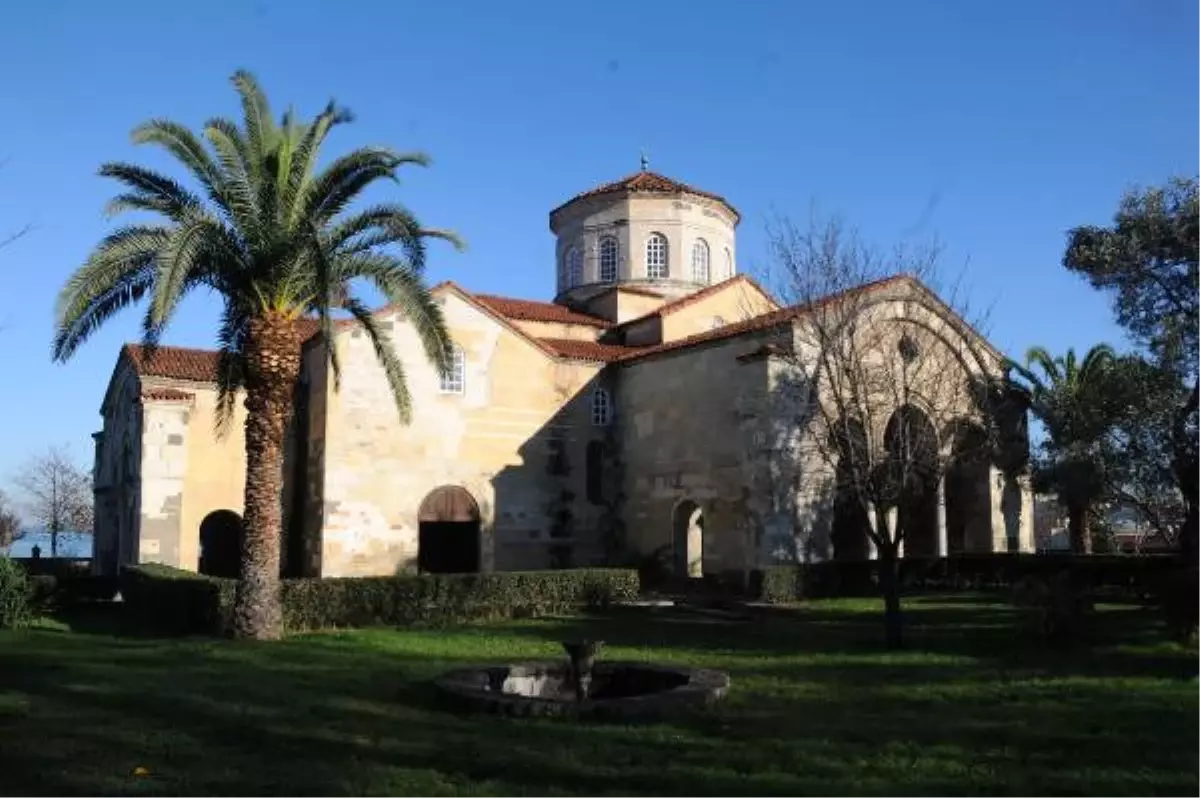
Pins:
<point x="58" y="494"/>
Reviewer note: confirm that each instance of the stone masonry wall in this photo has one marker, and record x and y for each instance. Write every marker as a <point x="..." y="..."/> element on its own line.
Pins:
<point x="491" y="440"/>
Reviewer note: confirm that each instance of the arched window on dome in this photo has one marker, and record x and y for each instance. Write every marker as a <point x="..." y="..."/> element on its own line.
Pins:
<point x="700" y="270"/>
<point x="574" y="267"/>
<point x="609" y="250"/>
<point x="656" y="257"/>
<point x="728" y="264"/>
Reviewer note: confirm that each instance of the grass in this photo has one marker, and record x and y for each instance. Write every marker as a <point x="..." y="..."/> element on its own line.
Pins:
<point x="971" y="707"/>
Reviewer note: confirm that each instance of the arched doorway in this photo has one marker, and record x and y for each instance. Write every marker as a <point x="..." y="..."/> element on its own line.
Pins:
<point x="448" y="532"/>
<point x="688" y="539"/>
<point x="848" y="535"/>
<point x="912" y="450"/>
<point x="968" y="504"/>
<point x="221" y="544"/>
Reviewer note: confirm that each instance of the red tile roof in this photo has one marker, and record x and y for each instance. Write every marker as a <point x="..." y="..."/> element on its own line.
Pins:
<point x="648" y="183"/>
<point x="174" y="362"/>
<point x="756" y="324"/>
<point x="167" y="395"/>
<point x="530" y="310"/>
<point x="585" y="350"/>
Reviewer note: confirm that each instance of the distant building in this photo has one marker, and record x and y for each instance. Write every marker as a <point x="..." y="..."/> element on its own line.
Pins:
<point x="630" y="413"/>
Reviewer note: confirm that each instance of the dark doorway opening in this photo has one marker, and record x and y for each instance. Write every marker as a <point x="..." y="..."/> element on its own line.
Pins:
<point x="448" y="532"/>
<point x="221" y="544"/>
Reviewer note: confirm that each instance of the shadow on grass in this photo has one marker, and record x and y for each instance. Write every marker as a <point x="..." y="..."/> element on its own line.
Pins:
<point x="816" y="707"/>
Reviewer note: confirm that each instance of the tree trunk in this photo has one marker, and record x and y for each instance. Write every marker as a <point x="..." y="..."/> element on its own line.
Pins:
<point x="1077" y="524"/>
<point x="272" y="368"/>
<point x="889" y="585"/>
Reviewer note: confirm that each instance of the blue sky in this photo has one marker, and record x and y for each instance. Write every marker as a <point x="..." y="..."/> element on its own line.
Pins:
<point x="995" y="126"/>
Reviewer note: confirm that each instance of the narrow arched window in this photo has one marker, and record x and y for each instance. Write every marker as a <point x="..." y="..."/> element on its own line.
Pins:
<point x="609" y="250"/>
<point x="454" y="380"/>
<point x="728" y="264"/>
<point x="574" y="267"/>
<point x="601" y="408"/>
<point x="656" y="257"/>
<point x="700" y="271"/>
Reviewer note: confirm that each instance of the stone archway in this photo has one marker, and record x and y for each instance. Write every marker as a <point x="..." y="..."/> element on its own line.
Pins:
<point x="848" y="535"/>
<point x="968" y="501"/>
<point x="688" y="539"/>
<point x="448" y="532"/>
<point x="221" y="544"/>
<point x="912" y="449"/>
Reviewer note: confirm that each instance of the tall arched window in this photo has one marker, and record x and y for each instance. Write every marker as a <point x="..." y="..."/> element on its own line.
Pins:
<point x="700" y="271"/>
<point x="728" y="264"/>
<point x="574" y="267"/>
<point x="656" y="257"/>
<point x="609" y="250"/>
<point x="601" y="408"/>
<point x="454" y="380"/>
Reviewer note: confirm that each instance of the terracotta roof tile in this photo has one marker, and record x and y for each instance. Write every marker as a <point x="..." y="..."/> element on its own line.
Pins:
<point x="647" y="183"/>
<point x="585" y="350"/>
<point x="764" y="321"/>
<point x="530" y="310"/>
<point x="174" y="362"/>
<point x="166" y="395"/>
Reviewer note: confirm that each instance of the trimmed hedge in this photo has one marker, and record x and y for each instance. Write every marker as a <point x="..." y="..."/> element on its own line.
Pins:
<point x="168" y="600"/>
<point x="1140" y="574"/>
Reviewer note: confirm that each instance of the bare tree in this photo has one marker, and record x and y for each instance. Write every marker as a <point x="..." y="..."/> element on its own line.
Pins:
<point x="890" y="391"/>
<point x="10" y="524"/>
<point x="59" y="494"/>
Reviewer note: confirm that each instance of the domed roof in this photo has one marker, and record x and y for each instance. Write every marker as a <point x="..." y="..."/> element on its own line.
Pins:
<point x="647" y="182"/>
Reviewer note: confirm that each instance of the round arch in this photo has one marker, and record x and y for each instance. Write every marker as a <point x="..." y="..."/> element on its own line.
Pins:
<point x="448" y="536"/>
<point x="220" y="544"/>
<point x="687" y="539"/>
<point x="912" y="447"/>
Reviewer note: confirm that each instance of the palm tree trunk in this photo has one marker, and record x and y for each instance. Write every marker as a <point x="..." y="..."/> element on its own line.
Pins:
<point x="272" y="367"/>
<point x="1077" y="524"/>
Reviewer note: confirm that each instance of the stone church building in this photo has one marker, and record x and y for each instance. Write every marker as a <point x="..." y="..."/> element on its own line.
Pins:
<point x="630" y="416"/>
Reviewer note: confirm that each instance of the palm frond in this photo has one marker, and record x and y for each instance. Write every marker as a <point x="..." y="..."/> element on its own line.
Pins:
<point x="303" y="159"/>
<point x="72" y="332"/>
<point x="178" y="265"/>
<point x="393" y="369"/>
<point x="407" y="293"/>
<point x="187" y="149"/>
<point x="231" y="374"/>
<point x="124" y="251"/>
<point x="344" y="179"/>
<point x="236" y="180"/>
<point x="256" y="115"/>
<point x="151" y="191"/>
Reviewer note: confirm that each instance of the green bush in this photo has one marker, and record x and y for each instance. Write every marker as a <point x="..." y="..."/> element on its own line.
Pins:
<point x="1177" y="597"/>
<point x="16" y="595"/>
<point x="778" y="584"/>
<point x="1057" y="608"/>
<point x="172" y="601"/>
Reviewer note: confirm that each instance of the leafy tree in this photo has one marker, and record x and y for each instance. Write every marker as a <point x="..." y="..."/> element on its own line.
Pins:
<point x="1148" y="260"/>
<point x="1070" y="397"/>
<point x="59" y="494"/>
<point x="1140" y="450"/>
<point x="273" y="236"/>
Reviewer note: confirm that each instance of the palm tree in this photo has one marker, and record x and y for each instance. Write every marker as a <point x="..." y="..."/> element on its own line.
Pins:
<point x="1071" y="397"/>
<point x="272" y="236"/>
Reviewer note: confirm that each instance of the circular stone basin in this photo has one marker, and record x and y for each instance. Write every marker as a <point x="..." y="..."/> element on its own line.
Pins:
<point x="618" y="689"/>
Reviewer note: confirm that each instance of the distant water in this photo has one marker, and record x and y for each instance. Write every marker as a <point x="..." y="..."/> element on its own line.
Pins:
<point x="70" y="544"/>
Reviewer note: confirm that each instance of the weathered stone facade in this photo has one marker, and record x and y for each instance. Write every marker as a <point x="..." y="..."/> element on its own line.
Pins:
<point x="629" y="417"/>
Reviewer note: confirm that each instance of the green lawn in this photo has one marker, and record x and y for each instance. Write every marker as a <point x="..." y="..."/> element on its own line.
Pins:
<point x="815" y="707"/>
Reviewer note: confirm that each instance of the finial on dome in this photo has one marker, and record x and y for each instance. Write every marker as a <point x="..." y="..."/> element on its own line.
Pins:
<point x="645" y="160"/>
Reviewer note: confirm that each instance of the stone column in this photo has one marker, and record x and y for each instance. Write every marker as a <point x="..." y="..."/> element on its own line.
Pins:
<point x="942" y="544"/>
<point x="872" y="551"/>
<point x="163" y="470"/>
